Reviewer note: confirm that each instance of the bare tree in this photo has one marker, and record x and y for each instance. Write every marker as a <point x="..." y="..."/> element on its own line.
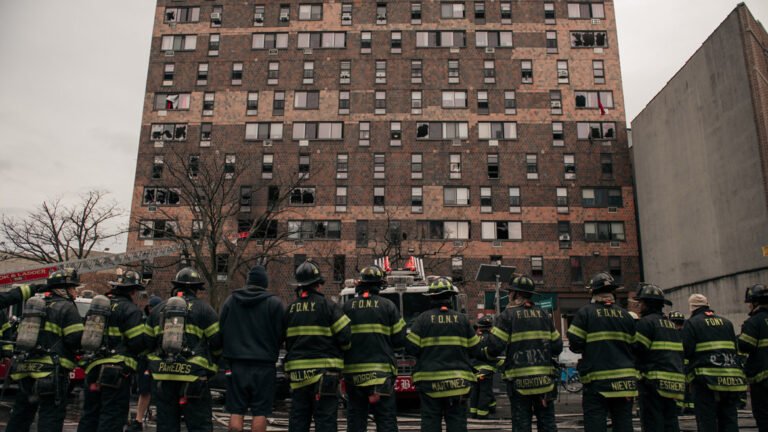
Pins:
<point x="55" y="232"/>
<point x="220" y="228"/>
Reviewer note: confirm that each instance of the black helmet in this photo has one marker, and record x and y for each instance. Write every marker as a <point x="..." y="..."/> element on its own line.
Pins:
<point x="676" y="317"/>
<point x="441" y="287"/>
<point x="522" y="284"/>
<point x="371" y="275"/>
<point x="129" y="279"/>
<point x="756" y="293"/>
<point x="188" y="278"/>
<point x="651" y="292"/>
<point x="602" y="282"/>
<point x="485" y="322"/>
<point x="308" y="273"/>
<point x="65" y="278"/>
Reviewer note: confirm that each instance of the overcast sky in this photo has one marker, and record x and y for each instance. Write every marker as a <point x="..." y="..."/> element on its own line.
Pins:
<point x="73" y="75"/>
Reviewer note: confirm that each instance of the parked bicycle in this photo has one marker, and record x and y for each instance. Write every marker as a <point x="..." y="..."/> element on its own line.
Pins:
<point x="570" y="379"/>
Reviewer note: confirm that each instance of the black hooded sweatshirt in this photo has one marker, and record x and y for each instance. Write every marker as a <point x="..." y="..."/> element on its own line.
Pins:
<point x="252" y="325"/>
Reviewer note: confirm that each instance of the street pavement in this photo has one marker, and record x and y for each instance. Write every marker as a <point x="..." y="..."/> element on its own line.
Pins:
<point x="568" y="410"/>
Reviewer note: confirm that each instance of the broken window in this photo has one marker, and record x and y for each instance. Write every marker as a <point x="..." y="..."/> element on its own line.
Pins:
<point x="308" y="229"/>
<point x="193" y="166"/>
<point x="182" y="15"/>
<point x="169" y="132"/>
<point x="589" y="39"/>
<point x="303" y="196"/>
<point x="172" y="101"/>
<point x="161" y="196"/>
<point x="593" y="99"/>
<point x="157" y="229"/>
<point x="442" y="130"/>
<point x="246" y="194"/>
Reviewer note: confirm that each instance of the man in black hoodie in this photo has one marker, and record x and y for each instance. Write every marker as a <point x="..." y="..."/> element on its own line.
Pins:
<point x="252" y="326"/>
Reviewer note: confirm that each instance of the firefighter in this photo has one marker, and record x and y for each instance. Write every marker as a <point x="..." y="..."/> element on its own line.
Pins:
<point x="48" y="337"/>
<point x="114" y="337"/>
<point x="184" y="345"/>
<point x="370" y="368"/>
<point x="442" y="340"/>
<point x="143" y="378"/>
<point x="317" y="334"/>
<point x="709" y="343"/>
<point x="686" y="405"/>
<point x="14" y="296"/>
<point x="481" y="400"/>
<point x="603" y="333"/>
<point x="658" y="347"/>
<point x="753" y="341"/>
<point x="252" y="321"/>
<point x="530" y="340"/>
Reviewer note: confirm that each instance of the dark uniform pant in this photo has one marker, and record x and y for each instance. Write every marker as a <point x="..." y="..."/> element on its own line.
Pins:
<point x="597" y="408"/>
<point x="28" y="400"/>
<point x="525" y="407"/>
<point x="657" y="413"/>
<point x="384" y="411"/>
<point x="715" y="411"/>
<point x="305" y="406"/>
<point x="107" y="408"/>
<point x="481" y="400"/>
<point x="433" y="410"/>
<point x="192" y="400"/>
<point x="760" y="404"/>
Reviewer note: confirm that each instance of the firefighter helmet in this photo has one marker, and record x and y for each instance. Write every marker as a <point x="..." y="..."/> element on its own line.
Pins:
<point x="441" y="286"/>
<point x="756" y="293"/>
<point x="65" y="278"/>
<point x="371" y="275"/>
<point x="676" y="317"/>
<point x="651" y="292"/>
<point x="188" y="278"/>
<point x="602" y="282"/>
<point x="485" y="322"/>
<point x="522" y="284"/>
<point x="129" y="279"/>
<point x="308" y="273"/>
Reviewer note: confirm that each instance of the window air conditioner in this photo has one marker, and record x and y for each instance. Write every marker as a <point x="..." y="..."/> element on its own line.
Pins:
<point x="396" y="135"/>
<point x="458" y="243"/>
<point x="258" y="18"/>
<point x="215" y="16"/>
<point x="284" y="18"/>
<point x="169" y="53"/>
<point x="612" y="209"/>
<point x="614" y="244"/>
<point x="565" y="237"/>
<point x="490" y="50"/>
<point x="346" y="74"/>
<point x="496" y="243"/>
<point x="562" y="74"/>
<point x="267" y="143"/>
<point x="346" y="17"/>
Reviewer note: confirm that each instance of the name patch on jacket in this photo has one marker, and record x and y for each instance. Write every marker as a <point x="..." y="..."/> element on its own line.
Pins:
<point x="535" y="382"/>
<point x="30" y="367"/>
<point x="302" y="375"/>
<point x="623" y="385"/>
<point x="180" y="368"/>
<point x="303" y="307"/>
<point x="454" y="384"/>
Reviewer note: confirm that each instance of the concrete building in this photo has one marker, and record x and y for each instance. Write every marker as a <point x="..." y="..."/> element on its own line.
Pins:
<point x="700" y="152"/>
<point x="462" y="132"/>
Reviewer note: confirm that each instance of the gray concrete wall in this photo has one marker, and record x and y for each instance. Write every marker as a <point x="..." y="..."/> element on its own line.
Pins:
<point x="700" y="185"/>
<point x="726" y="296"/>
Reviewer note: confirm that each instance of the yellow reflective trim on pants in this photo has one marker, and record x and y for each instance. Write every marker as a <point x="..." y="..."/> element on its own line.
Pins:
<point x="371" y="328"/>
<point x="626" y="394"/>
<point x="748" y="339"/>
<point x="398" y="327"/>
<point x="414" y="339"/>
<point x="321" y="363"/>
<point x="444" y="375"/>
<point x="667" y="346"/>
<point x="448" y="393"/>
<point x="528" y="371"/>
<point x="530" y="335"/>
<point x="715" y="345"/>
<point x="642" y="339"/>
<point x="340" y="324"/>
<point x="609" y="336"/>
<point x="576" y="331"/>
<point x="308" y="331"/>
<point x="450" y="341"/>
<point x="609" y="374"/>
<point x="501" y="334"/>
<point x="211" y="329"/>
<point x="368" y="367"/>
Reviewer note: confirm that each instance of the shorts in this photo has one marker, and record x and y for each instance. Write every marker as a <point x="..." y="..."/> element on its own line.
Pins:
<point x="250" y="385"/>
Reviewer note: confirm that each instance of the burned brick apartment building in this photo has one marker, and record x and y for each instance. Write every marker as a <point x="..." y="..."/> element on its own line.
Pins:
<point x="461" y="132"/>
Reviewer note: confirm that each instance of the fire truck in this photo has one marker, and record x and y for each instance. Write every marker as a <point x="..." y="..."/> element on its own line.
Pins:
<point x="406" y="288"/>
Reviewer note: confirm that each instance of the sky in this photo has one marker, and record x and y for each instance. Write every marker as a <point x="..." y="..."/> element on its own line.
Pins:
<point x="73" y="75"/>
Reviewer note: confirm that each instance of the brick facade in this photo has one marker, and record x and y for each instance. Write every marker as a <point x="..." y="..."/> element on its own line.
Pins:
<point x="533" y="117"/>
